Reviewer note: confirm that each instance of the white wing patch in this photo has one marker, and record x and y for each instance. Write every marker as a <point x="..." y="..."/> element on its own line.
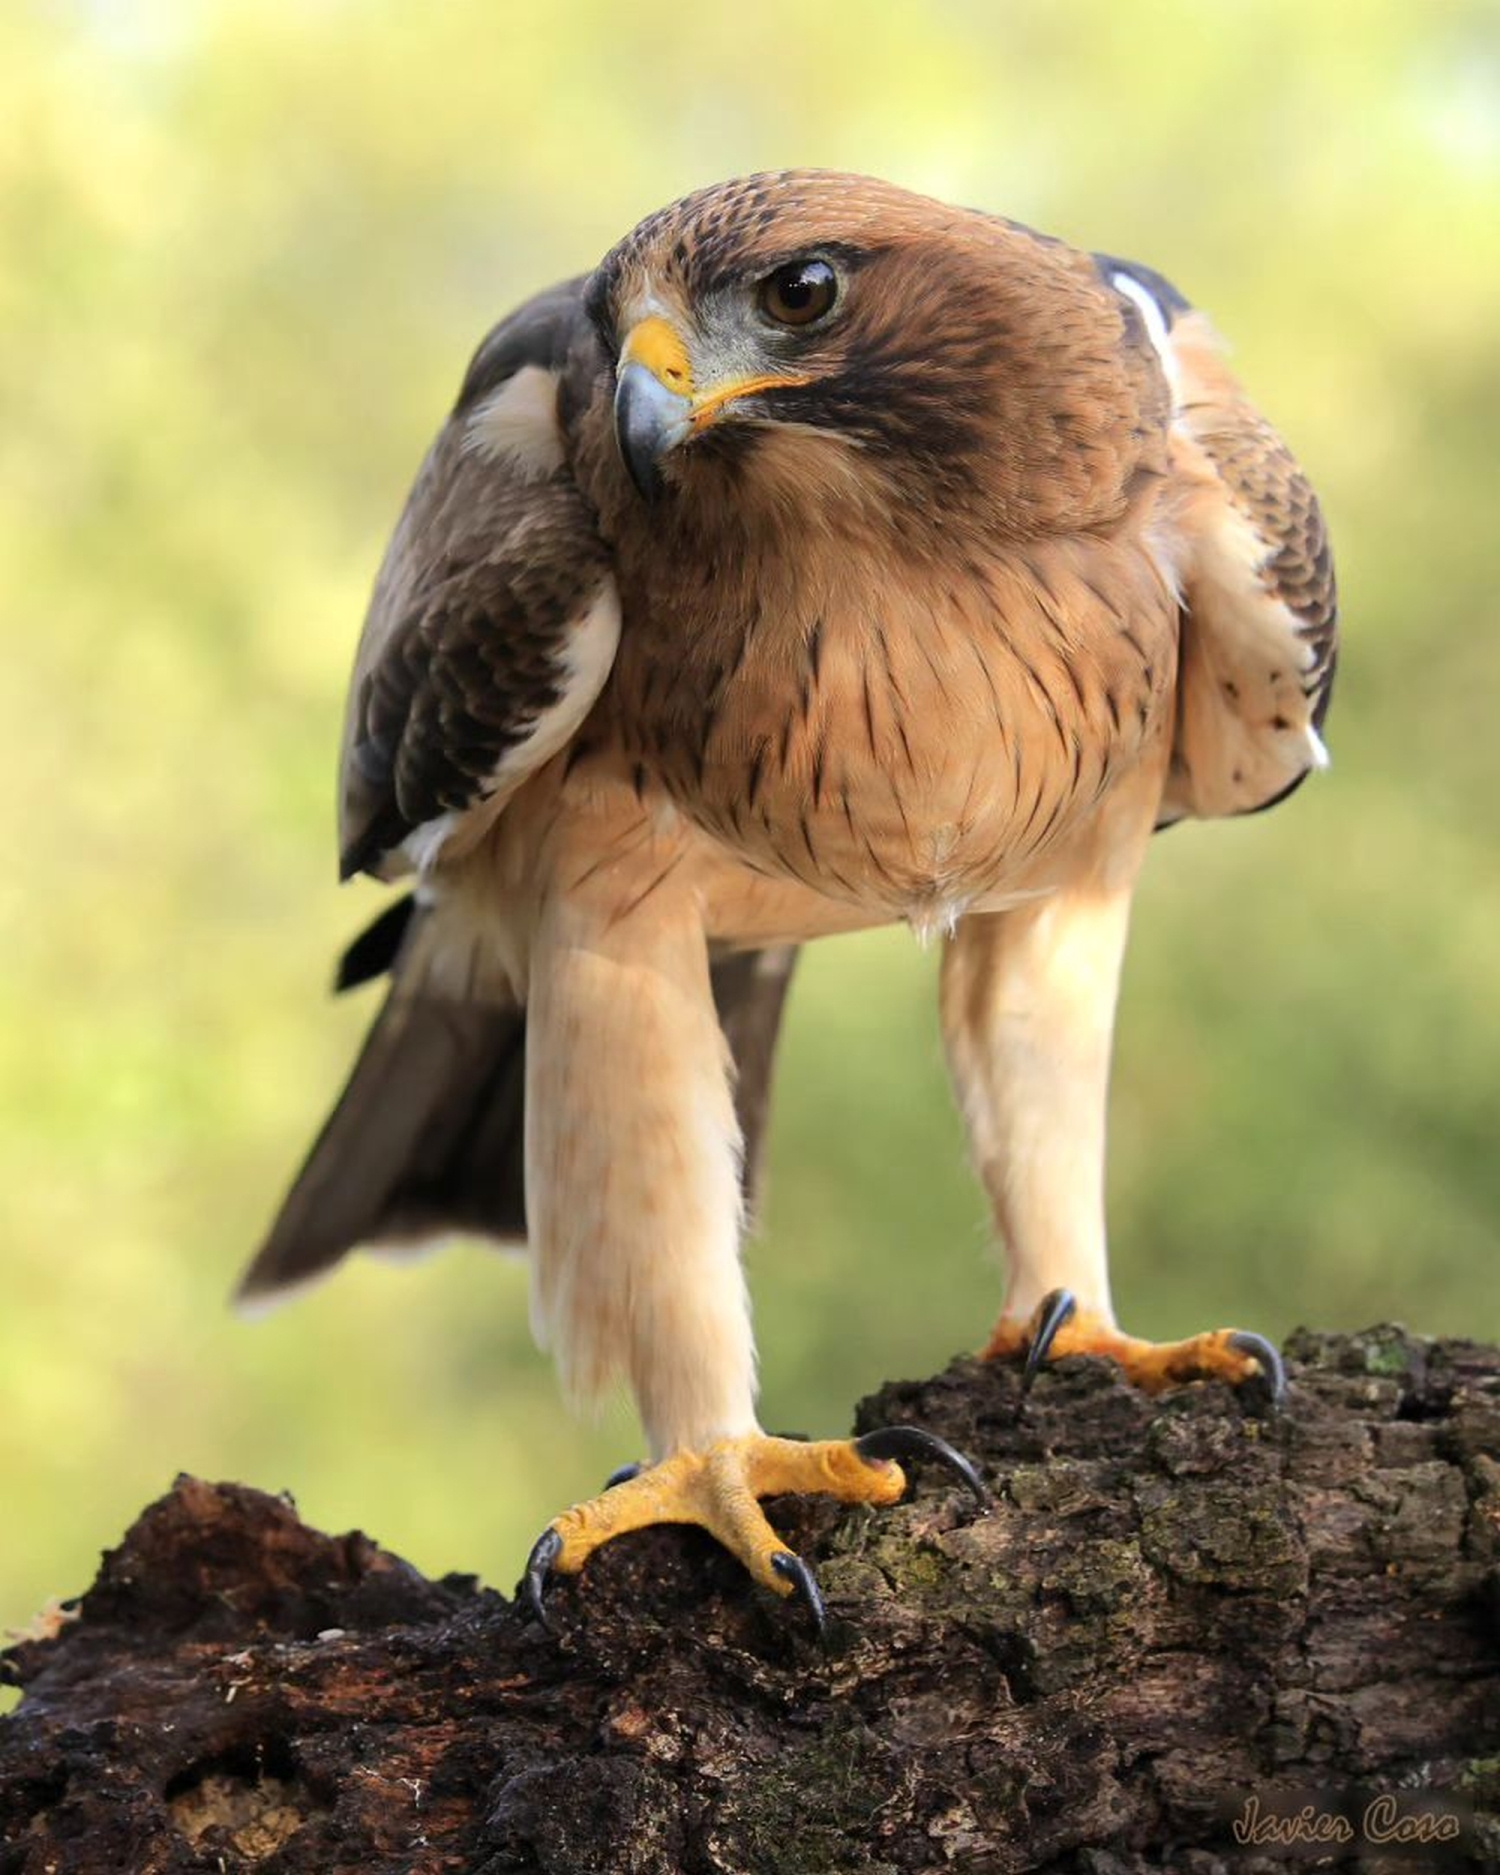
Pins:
<point x="588" y="658"/>
<point x="517" y="424"/>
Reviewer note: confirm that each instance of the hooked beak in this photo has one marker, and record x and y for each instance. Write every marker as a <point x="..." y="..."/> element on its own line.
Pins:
<point x="650" y="419"/>
<point x="657" y="405"/>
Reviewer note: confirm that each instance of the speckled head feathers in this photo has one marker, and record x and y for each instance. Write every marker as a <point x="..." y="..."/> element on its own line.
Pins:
<point x="991" y="361"/>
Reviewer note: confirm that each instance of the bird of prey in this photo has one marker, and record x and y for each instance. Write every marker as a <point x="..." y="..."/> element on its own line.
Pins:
<point x="827" y="558"/>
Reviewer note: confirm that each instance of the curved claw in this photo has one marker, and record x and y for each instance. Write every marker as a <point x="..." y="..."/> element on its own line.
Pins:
<point x="910" y="1442"/>
<point x="1271" y="1367"/>
<point x="544" y="1552"/>
<point x="789" y="1565"/>
<point x="1053" y="1310"/>
<point x="622" y="1474"/>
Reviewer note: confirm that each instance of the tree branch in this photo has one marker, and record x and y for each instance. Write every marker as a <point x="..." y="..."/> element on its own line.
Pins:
<point x="1177" y="1618"/>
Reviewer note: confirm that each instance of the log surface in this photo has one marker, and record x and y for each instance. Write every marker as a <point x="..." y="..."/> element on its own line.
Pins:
<point x="1177" y="1616"/>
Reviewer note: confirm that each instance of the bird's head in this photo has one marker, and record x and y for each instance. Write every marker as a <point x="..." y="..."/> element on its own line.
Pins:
<point x="815" y="338"/>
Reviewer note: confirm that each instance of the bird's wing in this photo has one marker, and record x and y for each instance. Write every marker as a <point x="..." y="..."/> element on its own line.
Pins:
<point x="1259" y="633"/>
<point x="495" y="617"/>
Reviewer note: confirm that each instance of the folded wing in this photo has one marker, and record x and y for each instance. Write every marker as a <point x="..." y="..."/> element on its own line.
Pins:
<point x="494" y="620"/>
<point x="1259" y="633"/>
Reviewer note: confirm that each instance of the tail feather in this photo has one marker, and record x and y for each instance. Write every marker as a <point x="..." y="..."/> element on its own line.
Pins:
<point x="470" y="1174"/>
<point x="428" y="1134"/>
<point x="750" y="989"/>
<point x="374" y="952"/>
<point x="400" y="1155"/>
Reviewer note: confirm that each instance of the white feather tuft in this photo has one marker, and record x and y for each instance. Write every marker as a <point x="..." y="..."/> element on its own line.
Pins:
<point x="423" y="844"/>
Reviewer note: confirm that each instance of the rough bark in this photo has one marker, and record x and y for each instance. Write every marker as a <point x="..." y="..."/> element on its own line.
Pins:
<point x="1174" y="1607"/>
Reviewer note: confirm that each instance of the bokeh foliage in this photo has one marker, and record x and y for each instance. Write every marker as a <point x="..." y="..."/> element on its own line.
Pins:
<point x="246" y="252"/>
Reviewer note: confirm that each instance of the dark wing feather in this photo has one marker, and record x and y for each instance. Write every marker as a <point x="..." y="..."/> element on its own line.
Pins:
<point x="494" y="618"/>
<point x="1265" y="485"/>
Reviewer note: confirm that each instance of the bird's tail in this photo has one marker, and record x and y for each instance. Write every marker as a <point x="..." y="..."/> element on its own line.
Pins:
<point x="427" y="1138"/>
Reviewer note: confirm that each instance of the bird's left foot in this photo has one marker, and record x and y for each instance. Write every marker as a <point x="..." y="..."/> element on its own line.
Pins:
<point x="718" y="1489"/>
<point x="1059" y="1327"/>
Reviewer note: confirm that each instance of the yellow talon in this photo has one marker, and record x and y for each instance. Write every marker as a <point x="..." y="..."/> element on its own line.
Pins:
<point x="720" y="1490"/>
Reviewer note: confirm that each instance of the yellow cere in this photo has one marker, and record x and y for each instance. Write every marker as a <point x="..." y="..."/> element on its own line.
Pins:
<point x="657" y="345"/>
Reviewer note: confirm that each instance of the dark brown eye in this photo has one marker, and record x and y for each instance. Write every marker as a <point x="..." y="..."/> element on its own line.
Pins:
<point x="799" y="294"/>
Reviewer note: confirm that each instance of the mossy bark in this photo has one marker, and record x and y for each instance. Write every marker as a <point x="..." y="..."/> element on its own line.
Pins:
<point x="1178" y="1617"/>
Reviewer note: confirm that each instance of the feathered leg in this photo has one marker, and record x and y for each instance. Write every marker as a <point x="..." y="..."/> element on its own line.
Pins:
<point x="632" y="1161"/>
<point x="1028" y="1000"/>
<point x="634" y="1199"/>
<point x="1028" y="1004"/>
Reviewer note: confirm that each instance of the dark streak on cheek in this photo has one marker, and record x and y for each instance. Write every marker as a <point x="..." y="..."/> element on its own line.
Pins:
<point x="919" y="415"/>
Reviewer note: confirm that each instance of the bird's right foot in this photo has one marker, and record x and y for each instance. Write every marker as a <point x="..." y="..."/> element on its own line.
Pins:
<point x="719" y="1489"/>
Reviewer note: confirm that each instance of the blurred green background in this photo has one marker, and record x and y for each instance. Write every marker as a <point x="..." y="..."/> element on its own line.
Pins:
<point x="247" y="250"/>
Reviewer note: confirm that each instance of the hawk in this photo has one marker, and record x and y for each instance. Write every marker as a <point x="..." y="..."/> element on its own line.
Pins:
<point x="827" y="558"/>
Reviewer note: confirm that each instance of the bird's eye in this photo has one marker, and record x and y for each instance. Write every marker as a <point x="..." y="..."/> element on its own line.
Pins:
<point x="799" y="294"/>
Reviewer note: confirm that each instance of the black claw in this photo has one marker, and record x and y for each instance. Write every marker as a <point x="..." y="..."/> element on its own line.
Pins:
<point x="788" y="1564"/>
<point x="624" y="1474"/>
<point x="1052" y="1312"/>
<point x="912" y="1442"/>
<point x="544" y="1552"/>
<point x="1273" y="1372"/>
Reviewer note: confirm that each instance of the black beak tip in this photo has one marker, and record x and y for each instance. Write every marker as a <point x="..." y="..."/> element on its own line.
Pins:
<point x="645" y="477"/>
